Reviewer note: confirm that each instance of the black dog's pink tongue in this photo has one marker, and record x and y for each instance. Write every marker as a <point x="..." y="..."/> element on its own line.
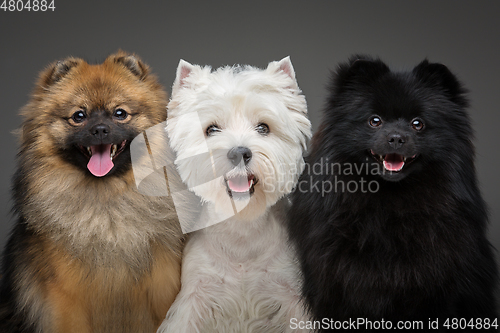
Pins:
<point x="393" y="162"/>
<point x="100" y="162"/>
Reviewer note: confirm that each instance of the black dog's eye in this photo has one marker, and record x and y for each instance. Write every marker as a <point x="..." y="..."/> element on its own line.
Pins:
<point x="417" y="124"/>
<point x="212" y="129"/>
<point x="262" y="129"/>
<point x="375" y="121"/>
<point x="120" y="114"/>
<point x="79" y="116"/>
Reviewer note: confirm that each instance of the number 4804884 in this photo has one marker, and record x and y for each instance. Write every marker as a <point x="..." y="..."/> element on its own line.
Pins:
<point x="477" y="323"/>
<point x="28" y="5"/>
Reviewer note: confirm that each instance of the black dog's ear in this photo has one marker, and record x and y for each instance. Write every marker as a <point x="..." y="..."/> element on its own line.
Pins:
<point x="132" y="62"/>
<point x="58" y="70"/>
<point x="365" y="66"/>
<point x="360" y="69"/>
<point x="439" y="76"/>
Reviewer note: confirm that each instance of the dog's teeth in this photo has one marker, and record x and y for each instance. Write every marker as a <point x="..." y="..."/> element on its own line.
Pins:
<point x="404" y="159"/>
<point x="113" y="151"/>
<point x="89" y="151"/>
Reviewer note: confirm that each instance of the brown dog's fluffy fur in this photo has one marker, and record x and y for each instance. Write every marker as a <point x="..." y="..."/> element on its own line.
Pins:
<point x="88" y="254"/>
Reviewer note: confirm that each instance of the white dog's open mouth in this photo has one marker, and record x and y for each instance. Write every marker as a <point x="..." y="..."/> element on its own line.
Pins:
<point x="240" y="185"/>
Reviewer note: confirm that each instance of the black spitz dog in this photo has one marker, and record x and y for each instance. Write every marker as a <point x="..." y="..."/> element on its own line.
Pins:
<point x="388" y="218"/>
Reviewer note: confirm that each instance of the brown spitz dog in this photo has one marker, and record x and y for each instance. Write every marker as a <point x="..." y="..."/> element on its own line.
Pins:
<point x="88" y="253"/>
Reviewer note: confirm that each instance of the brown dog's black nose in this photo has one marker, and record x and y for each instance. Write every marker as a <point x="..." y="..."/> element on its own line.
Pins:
<point x="396" y="140"/>
<point x="100" y="131"/>
<point x="237" y="153"/>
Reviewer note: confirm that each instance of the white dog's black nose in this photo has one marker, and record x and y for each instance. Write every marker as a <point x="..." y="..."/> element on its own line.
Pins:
<point x="237" y="153"/>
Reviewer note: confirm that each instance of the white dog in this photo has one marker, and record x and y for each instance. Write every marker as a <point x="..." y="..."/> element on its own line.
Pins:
<point x="239" y="134"/>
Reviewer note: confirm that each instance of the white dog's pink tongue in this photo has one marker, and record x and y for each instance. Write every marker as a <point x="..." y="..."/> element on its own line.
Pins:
<point x="393" y="162"/>
<point x="100" y="163"/>
<point x="239" y="184"/>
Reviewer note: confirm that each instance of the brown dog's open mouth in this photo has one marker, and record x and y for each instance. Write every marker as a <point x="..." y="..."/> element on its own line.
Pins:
<point x="241" y="185"/>
<point x="101" y="157"/>
<point x="393" y="162"/>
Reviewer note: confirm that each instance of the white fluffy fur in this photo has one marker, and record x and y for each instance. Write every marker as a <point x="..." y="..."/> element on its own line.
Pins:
<point x="239" y="275"/>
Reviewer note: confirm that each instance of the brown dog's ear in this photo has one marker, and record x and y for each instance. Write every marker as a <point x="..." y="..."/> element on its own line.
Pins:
<point x="58" y="70"/>
<point x="132" y="63"/>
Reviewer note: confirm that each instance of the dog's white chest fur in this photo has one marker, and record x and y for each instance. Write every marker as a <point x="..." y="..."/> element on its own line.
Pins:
<point x="240" y="276"/>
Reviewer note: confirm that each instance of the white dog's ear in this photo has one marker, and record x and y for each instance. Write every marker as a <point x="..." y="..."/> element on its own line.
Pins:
<point x="284" y="65"/>
<point x="183" y="70"/>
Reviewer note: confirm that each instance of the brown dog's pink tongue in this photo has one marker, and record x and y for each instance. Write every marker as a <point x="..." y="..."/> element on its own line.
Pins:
<point x="100" y="163"/>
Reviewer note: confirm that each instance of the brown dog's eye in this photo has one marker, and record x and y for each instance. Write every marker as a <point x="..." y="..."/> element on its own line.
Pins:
<point x="212" y="129"/>
<point x="417" y="124"/>
<point x="79" y="116"/>
<point x="262" y="129"/>
<point x="375" y="121"/>
<point x="120" y="114"/>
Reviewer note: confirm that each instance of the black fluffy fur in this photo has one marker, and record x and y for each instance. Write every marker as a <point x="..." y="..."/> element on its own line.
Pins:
<point x="12" y="321"/>
<point x="417" y="248"/>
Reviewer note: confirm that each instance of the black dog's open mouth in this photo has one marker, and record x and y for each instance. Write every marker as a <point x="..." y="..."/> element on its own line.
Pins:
<point x="101" y="156"/>
<point x="393" y="162"/>
<point x="241" y="185"/>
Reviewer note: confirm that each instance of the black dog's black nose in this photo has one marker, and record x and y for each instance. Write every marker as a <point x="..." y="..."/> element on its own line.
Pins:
<point x="237" y="153"/>
<point x="100" y="131"/>
<point x="395" y="140"/>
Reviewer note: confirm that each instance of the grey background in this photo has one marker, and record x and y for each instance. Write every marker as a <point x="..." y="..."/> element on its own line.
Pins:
<point x="464" y="35"/>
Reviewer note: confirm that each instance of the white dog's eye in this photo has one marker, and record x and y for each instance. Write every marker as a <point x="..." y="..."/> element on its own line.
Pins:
<point x="212" y="129"/>
<point x="262" y="129"/>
